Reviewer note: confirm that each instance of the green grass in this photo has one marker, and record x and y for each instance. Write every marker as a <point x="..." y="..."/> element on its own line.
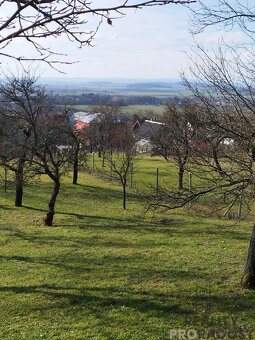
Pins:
<point x="105" y="273"/>
<point x="144" y="177"/>
<point x="131" y="109"/>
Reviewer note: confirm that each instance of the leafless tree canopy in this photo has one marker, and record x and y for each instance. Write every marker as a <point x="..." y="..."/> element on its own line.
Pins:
<point x="78" y="20"/>
<point x="225" y="13"/>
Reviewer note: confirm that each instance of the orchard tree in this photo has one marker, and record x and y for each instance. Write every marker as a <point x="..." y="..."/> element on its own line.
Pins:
<point x="122" y="155"/>
<point x="176" y="136"/>
<point x="34" y="132"/>
<point x="51" y="154"/>
<point x="102" y="128"/>
<point x="78" y="142"/>
<point x="223" y="85"/>
<point x="21" y="104"/>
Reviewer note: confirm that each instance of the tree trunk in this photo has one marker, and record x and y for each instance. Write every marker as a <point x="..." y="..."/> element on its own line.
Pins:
<point x="124" y="195"/>
<point x="76" y="164"/>
<point x="51" y="212"/>
<point x="5" y="179"/>
<point x="248" y="279"/>
<point x="19" y="183"/>
<point x="217" y="163"/>
<point x="181" y="172"/>
<point x="99" y="153"/>
<point x="103" y="159"/>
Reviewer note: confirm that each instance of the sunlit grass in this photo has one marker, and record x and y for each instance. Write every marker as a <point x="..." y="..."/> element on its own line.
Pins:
<point x="105" y="273"/>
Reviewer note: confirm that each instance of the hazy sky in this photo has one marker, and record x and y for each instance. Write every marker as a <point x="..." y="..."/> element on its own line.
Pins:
<point x="148" y="43"/>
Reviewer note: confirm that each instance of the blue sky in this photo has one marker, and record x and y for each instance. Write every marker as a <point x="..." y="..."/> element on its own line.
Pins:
<point x="148" y="44"/>
<point x="145" y="44"/>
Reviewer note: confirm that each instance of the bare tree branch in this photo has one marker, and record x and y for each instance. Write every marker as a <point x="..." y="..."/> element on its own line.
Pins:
<point x="79" y="21"/>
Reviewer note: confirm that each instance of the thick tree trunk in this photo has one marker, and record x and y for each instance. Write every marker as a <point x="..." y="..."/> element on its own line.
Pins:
<point x="76" y="164"/>
<point x="51" y="212"/>
<point x="19" y="174"/>
<point x="248" y="279"/>
<point x="181" y="172"/>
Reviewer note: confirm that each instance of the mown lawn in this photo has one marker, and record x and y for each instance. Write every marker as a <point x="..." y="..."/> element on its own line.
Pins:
<point x="105" y="273"/>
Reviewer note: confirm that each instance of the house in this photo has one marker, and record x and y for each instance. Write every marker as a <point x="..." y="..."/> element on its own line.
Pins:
<point x="84" y="117"/>
<point x="144" y="133"/>
<point x="147" y="129"/>
<point x="144" y="146"/>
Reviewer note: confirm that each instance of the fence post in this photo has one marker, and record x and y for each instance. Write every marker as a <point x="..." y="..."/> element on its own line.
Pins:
<point x="131" y="174"/>
<point x="93" y="162"/>
<point x="157" y="181"/>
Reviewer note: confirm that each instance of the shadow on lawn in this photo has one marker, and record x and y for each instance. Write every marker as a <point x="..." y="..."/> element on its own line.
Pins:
<point x="80" y="216"/>
<point x="174" y="226"/>
<point x="88" y="192"/>
<point x="6" y="207"/>
<point x="116" y="297"/>
<point x="63" y="297"/>
<point x="133" y="267"/>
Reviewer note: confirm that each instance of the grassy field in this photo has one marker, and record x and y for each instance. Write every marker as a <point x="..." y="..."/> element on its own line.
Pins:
<point x="105" y="273"/>
<point x="132" y="109"/>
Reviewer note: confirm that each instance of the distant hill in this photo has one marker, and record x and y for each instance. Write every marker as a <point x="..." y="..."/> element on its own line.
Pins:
<point x="129" y="87"/>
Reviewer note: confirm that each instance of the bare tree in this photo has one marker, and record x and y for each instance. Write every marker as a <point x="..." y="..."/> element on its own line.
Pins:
<point x="79" y="21"/>
<point x="226" y="14"/>
<point x="79" y="149"/>
<point x="123" y="146"/>
<point x="78" y="142"/>
<point x="34" y="133"/>
<point x="102" y="128"/>
<point x="230" y="74"/>
<point x="22" y="102"/>
<point x="51" y="148"/>
<point x="175" y="138"/>
<point x="224" y="89"/>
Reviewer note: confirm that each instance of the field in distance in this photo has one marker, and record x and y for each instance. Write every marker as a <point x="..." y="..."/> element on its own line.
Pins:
<point x="130" y="109"/>
<point x="124" y="87"/>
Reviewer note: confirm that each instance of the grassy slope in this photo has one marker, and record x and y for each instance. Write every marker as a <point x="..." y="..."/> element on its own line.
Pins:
<point x="102" y="273"/>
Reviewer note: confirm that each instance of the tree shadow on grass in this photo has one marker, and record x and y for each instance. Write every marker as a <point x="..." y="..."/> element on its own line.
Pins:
<point x="6" y="207"/>
<point x="101" y="298"/>
<point x="90" y="192"/>
<point x="130" y="266"/>
<point x="64" y="297"/>
<point x="176" y="226"/>
<point x="80" y="216"/>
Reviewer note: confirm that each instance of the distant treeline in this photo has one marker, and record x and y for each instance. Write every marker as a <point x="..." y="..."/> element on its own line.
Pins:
<point x="101" y="99"/>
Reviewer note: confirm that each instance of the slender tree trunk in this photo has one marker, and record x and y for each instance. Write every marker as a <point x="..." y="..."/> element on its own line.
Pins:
<point x="217" y="163"/>
<point x="51" y="212"/>
<point x="181" y="172"/>
<point x="103" y="159"/>
<point x="5" y="179"/>
<point x="99" y="153"/>
<point x="19" y="177"/>
<point x="124" y="195"/>
<point x="248" y="279"/>
<point x="76" y="164"/>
